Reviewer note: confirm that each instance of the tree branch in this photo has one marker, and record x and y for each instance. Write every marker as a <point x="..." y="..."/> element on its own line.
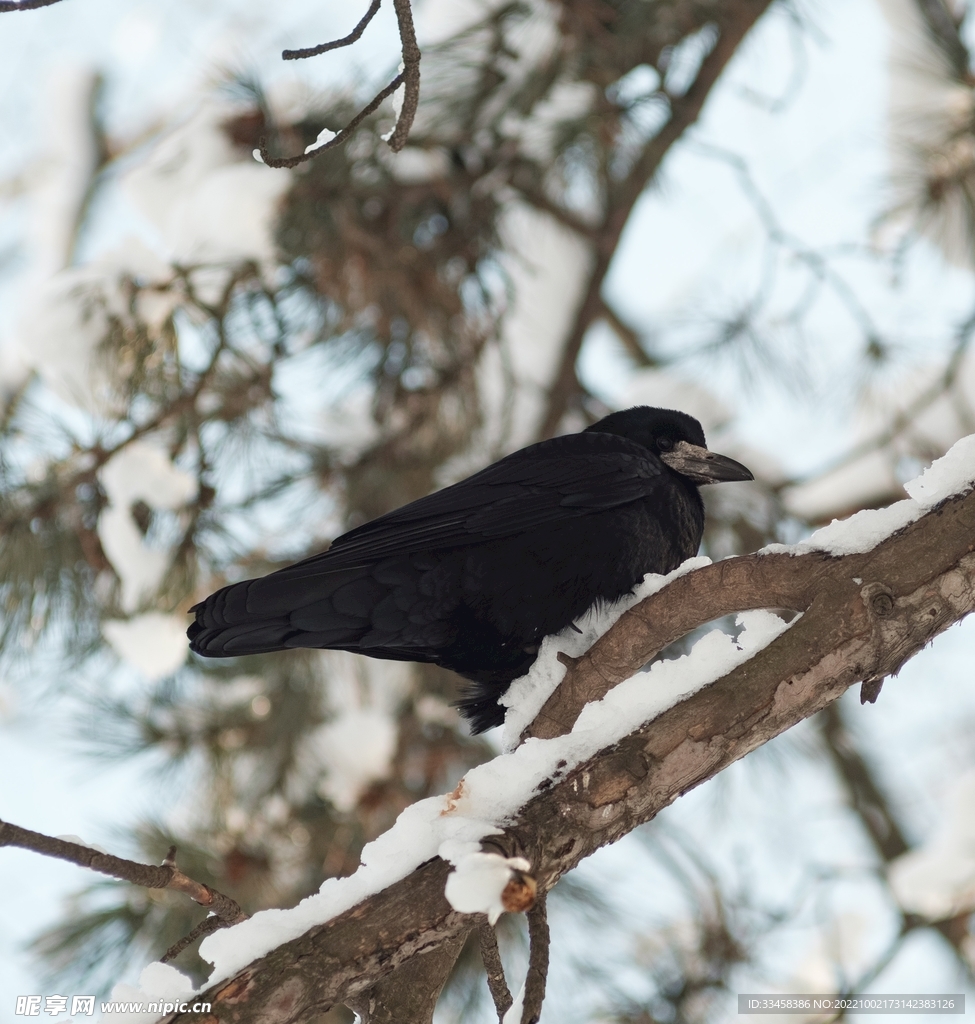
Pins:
<point x="491" y="958"/>
<point x="411" y="75"/>
<point x="735" y="22"/>
<point x="538" y="946"/>
<point x="166" y="876"/>
<point x="24" y="5"/>
<point x="917" y="583"/>
<point x="314" y="51"/>
<point x="408" y="78"/>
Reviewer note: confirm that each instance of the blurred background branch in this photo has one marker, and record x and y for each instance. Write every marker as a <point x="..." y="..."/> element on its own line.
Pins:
<point x="210" y="367"/>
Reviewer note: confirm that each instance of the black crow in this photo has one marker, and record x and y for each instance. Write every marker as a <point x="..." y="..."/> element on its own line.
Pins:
<point x="474" y="576"/>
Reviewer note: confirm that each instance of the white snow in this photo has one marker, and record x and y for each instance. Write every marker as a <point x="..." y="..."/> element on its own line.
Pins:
<point x="938" y="879"/>
<point x="946" y="476"/>
<point x="157" y="982"/>
<point x="325" y="135"/>
<point x="66" y="317"/>
<point x="526" y="695"/>
<point x="861" y="532"/>
<point x="356" y="749"/>
<point x="478" y="879"/>
<point x="64" y="321"/>
<point x="60" y="178"/>
<point x="397" y="99"/>
<point x="516" y="1009"/>
<point x="340" y="759"/>
<point x="141" y="471"/>
<point x="155" y="643"/>
<point x="953" y="473"/>
<point x="78" y="841"/>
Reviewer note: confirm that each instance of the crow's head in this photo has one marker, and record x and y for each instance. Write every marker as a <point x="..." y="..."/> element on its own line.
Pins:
<point x="677" y="440"/>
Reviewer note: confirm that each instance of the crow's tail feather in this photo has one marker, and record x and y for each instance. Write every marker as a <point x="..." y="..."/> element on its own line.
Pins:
<point x="479" y="704"/>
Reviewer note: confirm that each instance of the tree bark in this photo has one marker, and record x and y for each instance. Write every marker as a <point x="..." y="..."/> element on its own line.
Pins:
<point x="867" y="614"/>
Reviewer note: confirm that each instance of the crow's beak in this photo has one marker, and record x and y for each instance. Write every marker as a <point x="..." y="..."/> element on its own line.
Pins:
<point x="702" y="466"/>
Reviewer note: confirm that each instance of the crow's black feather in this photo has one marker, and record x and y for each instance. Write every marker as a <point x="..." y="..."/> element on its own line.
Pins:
<point x="473" y="576"/>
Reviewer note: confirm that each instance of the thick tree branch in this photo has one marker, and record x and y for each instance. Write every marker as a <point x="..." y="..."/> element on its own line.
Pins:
<point x="867" y="614"/>
<point x="411" y="992"/>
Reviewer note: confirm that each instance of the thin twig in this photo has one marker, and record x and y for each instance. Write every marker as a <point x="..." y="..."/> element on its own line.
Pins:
<point x="491" y="958"/>
<point x="205" y="927"/>
<point x="340" y="138"/>
<point x="314" y="51"/>
<point x="24" y="5"/>
<point x="149" y="876"/>
<point x="538" y="940"/>
<point x="408" y="78"/>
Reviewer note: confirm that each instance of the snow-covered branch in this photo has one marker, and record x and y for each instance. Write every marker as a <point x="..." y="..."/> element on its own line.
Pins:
<point x="873" y="591"/>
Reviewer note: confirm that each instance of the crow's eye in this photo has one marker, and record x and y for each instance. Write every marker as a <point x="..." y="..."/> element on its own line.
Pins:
<point x="665" y="444"/>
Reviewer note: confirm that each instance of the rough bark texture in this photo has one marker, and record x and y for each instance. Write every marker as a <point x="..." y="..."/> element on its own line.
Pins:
<point x="865" y="615"/>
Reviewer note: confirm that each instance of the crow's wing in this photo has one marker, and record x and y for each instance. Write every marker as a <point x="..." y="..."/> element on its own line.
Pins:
<point x="549" y="482"/>
<point x="553" y="480"/>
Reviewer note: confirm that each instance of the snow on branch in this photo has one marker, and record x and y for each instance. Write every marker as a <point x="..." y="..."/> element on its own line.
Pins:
<point x="872" y="592"/>
<point x="408" y="80"/>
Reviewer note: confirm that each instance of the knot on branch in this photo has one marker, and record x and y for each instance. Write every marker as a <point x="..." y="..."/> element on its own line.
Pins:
<point x="878" y="598"/>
